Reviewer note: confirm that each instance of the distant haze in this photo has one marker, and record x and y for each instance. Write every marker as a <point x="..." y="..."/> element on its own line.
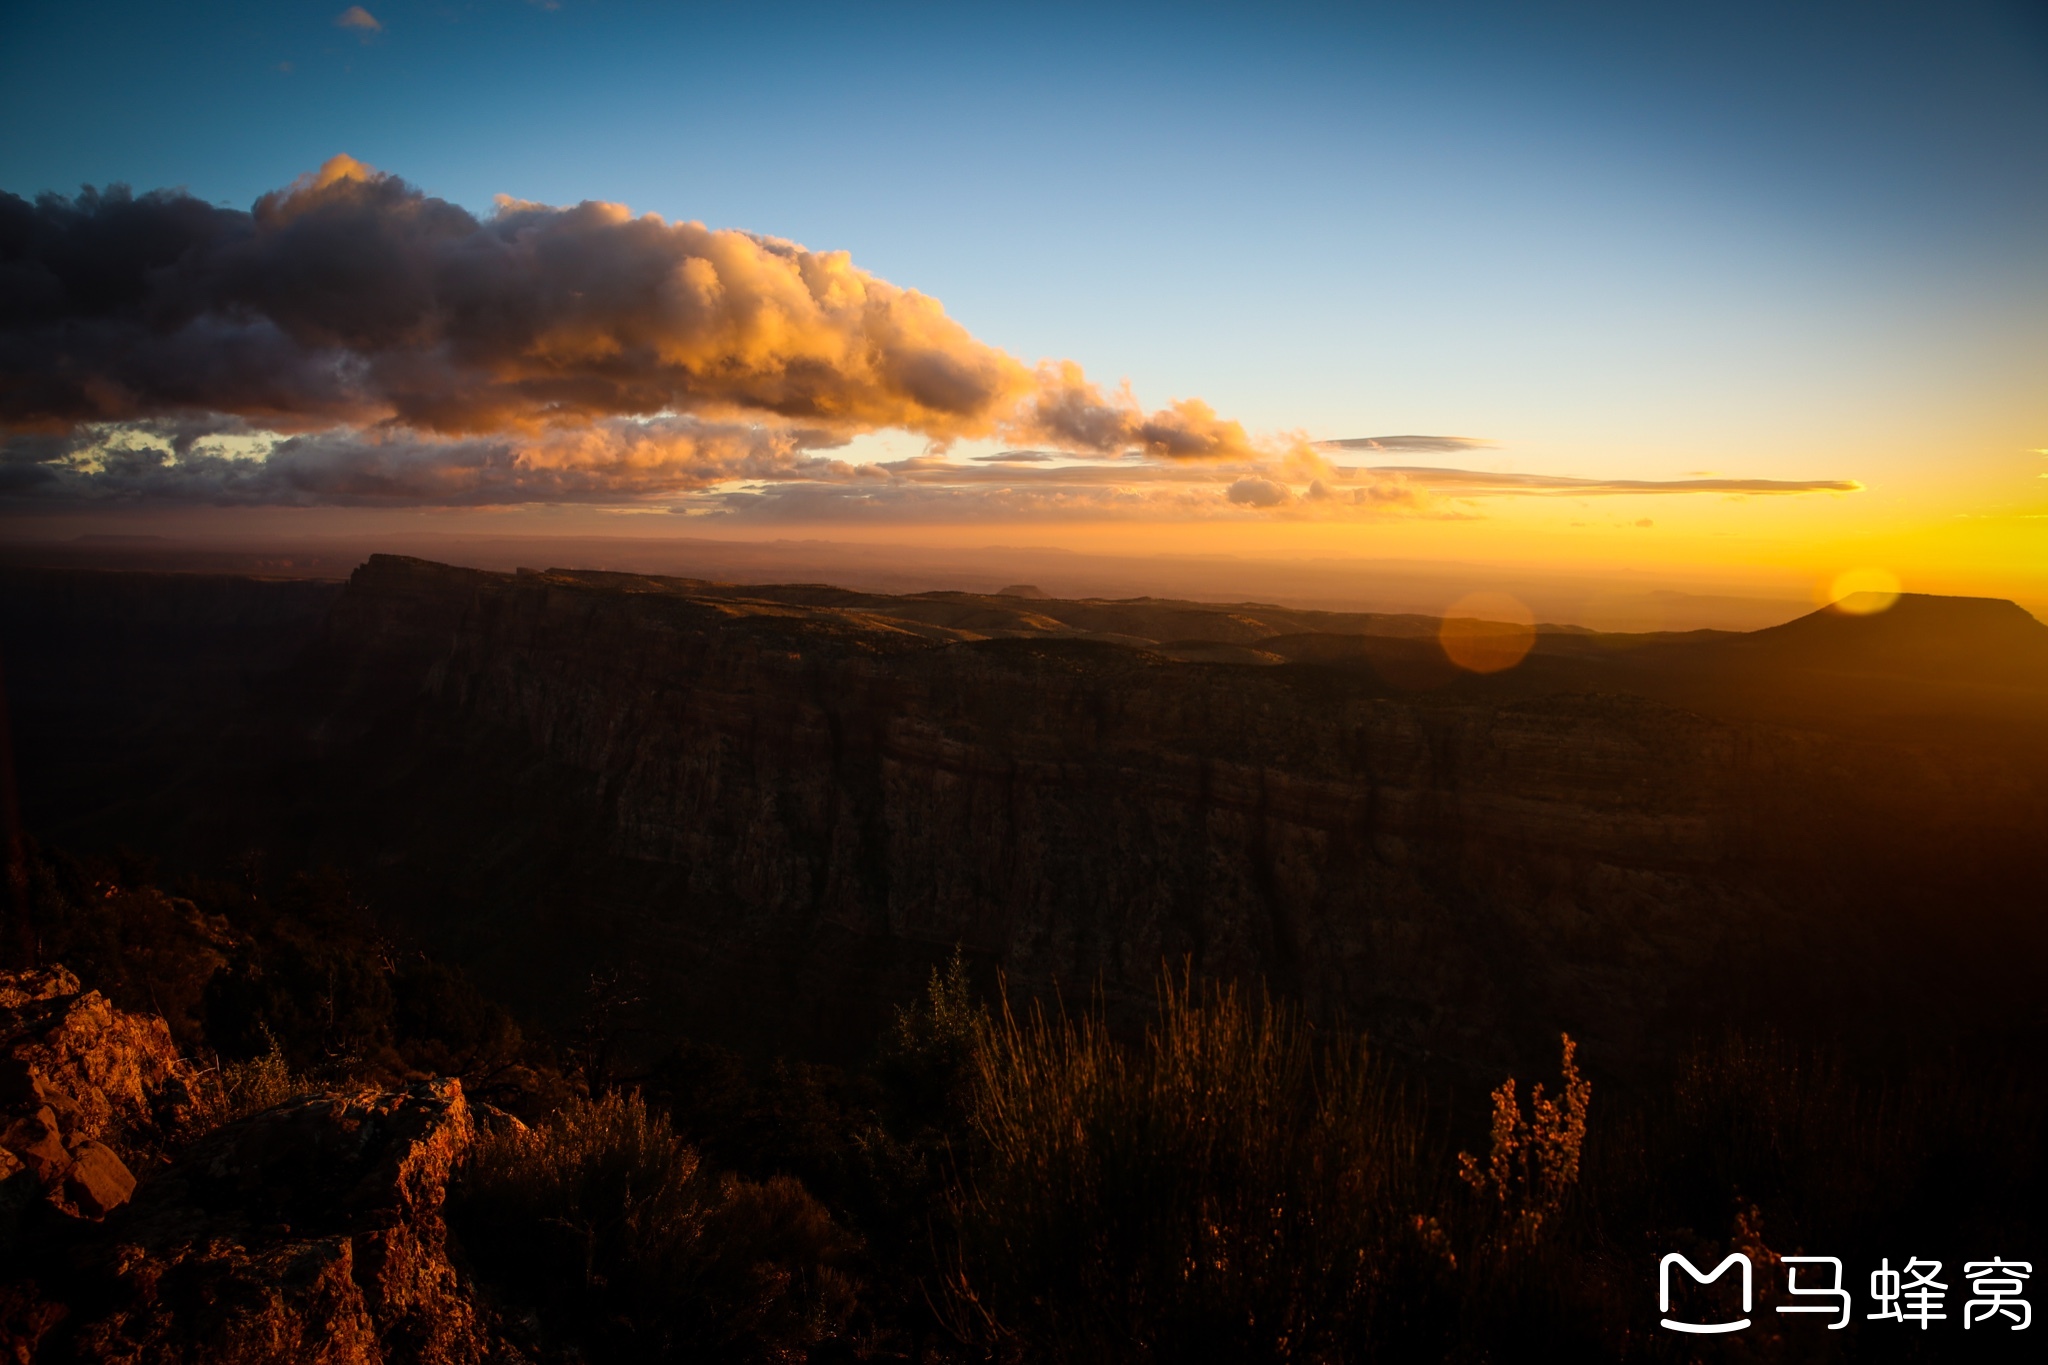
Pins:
<point x="1599" y="601"/>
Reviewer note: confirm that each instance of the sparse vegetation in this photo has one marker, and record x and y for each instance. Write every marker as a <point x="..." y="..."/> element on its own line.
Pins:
<point x="628" y="1241"/>
<point x="927" y="1060"/>
<point x="1238" y="1186"/>
<point x="1229" y="1184"/>
<point x="1533" y="1163"/>
<point x="258" y="1083"/>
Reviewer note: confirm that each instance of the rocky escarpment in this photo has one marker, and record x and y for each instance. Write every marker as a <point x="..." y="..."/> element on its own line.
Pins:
<point x="779" y="812"/>
<point x="79" y="1079"/>
<point x="309" y="1232"/>
<point x="312" y="1231"/>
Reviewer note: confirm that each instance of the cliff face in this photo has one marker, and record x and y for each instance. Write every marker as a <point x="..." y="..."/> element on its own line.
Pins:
<point x="778" y="813"/>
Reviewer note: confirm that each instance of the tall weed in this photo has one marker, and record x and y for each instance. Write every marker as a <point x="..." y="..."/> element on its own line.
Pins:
<point x="1236" y="1187"/>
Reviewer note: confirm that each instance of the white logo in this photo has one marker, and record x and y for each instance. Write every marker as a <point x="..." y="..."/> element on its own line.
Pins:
<point x="1908" y="1295"/>
<point x="2000" y="1282"/>
<point x="1832" y="1291"/>
<point x="1664" y="1291"/>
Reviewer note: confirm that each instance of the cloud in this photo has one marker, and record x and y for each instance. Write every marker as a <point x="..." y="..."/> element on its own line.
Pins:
<point x="1069" y="412"/>
<point x="750" y="471"/>
<point x="1252" y="491"/>
<point x="925" y="469"/>
<point x="356" y="17"/>
<point x="1473" y="481"/>
<point x="909" y="501"/>
<point x="351" y="340"/>
<point x="351" y="297"/>
<point x="1434" y="445"/>
<point x="1169" y="494"/>
<point x="221" y="461"/>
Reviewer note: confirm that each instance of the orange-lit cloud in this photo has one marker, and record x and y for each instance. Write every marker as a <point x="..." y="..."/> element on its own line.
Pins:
<point x="358" y="18"/>
<point x="352" y="297"/>
<point x="351" y="340"/>
<point x="1069" y="412"/>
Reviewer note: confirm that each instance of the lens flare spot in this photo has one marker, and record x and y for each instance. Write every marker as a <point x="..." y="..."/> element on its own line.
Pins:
<point x="1486" y="632"/>
<point x="1863" y="592"/>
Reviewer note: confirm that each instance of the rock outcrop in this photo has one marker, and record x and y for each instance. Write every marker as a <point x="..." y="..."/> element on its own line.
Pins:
<point x="79" y="1079"/>
<point x="308" y="1232"/>
<point x="312" y="1231"/>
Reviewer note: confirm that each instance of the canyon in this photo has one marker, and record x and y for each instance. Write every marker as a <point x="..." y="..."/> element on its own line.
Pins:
<point x="762" y="814"/>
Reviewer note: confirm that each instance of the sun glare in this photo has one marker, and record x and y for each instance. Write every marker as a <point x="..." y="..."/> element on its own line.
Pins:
<point x="1863" y="592"/>
<point x="1487" y="632"/>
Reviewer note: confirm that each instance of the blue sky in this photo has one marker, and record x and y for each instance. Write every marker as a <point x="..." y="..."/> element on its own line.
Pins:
<point x="1801" y="241"/>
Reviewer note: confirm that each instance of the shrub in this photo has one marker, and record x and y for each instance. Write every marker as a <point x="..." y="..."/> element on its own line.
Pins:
<point x="1533" y="1164"/>
<point x="259" y="1083"/>
<point x="1232" y="1189"/>
<point x="611" y="1224"/>
<point x="927" y="1058"/>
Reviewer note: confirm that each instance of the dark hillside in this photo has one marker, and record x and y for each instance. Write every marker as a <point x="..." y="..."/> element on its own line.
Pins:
<point x="777" y="807"/>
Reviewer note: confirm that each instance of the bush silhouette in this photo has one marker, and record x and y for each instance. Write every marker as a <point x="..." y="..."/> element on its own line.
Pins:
<point x="614" y="1227"/>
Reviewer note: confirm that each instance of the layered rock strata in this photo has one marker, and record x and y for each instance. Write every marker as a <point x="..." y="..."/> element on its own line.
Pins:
<point x="780" y="811"/>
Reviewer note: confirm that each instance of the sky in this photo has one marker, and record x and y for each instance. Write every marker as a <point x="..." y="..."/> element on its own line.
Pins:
<point x="1690" y="292"/>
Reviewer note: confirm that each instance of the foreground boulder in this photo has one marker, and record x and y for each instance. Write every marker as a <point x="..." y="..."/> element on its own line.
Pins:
<point x="79" y="1082"/>
<point x="311" y="1232"/>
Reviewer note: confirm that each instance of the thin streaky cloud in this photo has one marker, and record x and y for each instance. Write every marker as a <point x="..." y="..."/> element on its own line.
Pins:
<point x="358" y="18"/>
<point x="924" y="469"/>
<point x="226" y="461"/>
<point x="1481" y="481"/>
<point x="1438" y="445"/>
